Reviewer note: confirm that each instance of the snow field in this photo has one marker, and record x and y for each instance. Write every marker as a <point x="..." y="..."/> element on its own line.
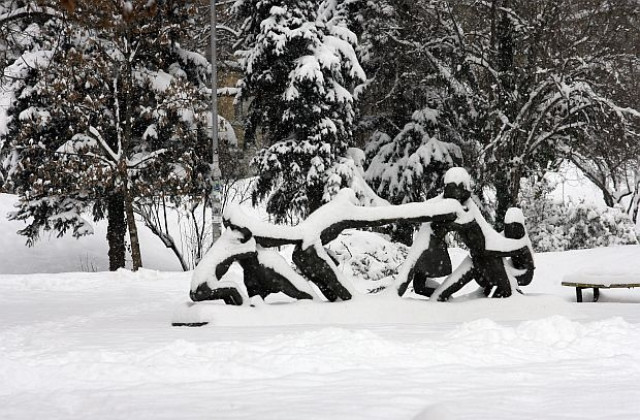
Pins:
<point x="55" y="255"/>
<point x="100" y="346"/>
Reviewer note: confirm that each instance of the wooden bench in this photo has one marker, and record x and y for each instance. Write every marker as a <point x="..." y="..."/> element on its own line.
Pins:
<point x="600" y="280"/>
<point x="596" y="288"/>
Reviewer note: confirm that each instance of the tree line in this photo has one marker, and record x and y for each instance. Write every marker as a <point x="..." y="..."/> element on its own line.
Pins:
<point x="105" y="103"/>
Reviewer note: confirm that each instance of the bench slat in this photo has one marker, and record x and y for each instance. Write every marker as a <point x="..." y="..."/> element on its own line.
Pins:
<point x="601" y="285"/>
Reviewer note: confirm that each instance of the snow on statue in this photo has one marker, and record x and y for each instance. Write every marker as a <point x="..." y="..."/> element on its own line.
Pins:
<point x="495" y="261"/>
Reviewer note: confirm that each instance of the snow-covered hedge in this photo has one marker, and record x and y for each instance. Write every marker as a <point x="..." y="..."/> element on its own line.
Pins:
<point x="564" y="226"/>
<point x="369" y="259"/>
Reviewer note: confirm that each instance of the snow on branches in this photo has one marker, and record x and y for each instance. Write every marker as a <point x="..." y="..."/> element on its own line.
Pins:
<point x="301" y="71"/>
<point x="409" y="167"/>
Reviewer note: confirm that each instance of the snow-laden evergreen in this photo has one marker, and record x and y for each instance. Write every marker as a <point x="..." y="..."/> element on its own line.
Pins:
<point x="409" y="167"/>
<point x="27" y="41"/>
<point x="301" y="71"/>
<point x="114" y="115"/>
<point x="418" y="104"/>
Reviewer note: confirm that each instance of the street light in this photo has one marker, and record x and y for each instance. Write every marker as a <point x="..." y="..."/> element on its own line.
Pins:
<point x="215" y="162"/>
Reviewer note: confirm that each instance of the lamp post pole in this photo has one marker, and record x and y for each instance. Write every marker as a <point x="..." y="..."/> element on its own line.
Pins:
<point x="215" y="162"/>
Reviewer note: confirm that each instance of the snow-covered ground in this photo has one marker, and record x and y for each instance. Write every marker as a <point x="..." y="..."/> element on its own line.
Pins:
<point x="100" y="346"/>
<point x="55" y="255"/>
<point x="96" y="345"/>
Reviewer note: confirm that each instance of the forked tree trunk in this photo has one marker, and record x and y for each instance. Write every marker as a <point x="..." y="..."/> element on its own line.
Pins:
<point x="116" y="230"/>
<point x="507" y="186"/>
<point x="136" y="256"/>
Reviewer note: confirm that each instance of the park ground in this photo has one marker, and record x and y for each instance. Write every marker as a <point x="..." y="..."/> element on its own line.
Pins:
<point x="101" y="346"/>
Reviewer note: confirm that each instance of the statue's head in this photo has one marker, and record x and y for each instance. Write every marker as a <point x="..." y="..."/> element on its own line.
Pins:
<point x="457" y="184"/>
<point x="244" y="233"/>
<point x="514" y="224"/>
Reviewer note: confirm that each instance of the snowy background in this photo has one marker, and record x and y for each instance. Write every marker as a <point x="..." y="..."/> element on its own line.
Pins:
<point x="100" y="345"/>
<point x="96" y="93"/>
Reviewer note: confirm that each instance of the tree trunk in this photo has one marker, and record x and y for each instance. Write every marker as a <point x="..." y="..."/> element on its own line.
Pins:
<point x="116" y="229"/>
<point x="136" y="257"/>
<point x="165" y="237"/>
<point x="507" y="185"/>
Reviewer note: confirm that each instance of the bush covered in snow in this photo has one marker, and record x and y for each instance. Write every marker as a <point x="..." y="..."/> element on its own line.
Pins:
<point x="557" y="226"/>
<point x="368" y="258"/>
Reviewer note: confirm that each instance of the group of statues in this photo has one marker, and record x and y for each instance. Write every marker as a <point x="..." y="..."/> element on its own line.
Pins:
<point x="500" y="263"/>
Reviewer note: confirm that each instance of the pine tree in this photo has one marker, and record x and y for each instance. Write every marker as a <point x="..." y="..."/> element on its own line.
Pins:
<point x="26" y="44"/>
<point x="409" y="167"/>
<point x="419" y="102"/>
<point x="301" y="72"/>
<point x="119" y="113"/>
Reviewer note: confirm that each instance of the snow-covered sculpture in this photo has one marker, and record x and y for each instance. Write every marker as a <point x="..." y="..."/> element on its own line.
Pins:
<point x="495" y="261"/>
<point x="498" y="263"/>
<point x="264" y="273"/>
<point x="247" y="238"/>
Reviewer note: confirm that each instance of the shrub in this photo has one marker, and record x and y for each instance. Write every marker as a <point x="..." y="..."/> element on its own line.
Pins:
<point x="556" y="226"/>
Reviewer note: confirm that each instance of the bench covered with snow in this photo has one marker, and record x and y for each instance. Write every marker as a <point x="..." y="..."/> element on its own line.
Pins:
<point x="597" y="280"/>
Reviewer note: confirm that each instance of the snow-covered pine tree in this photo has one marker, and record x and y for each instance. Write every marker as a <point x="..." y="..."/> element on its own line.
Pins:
<point x="301" y="71"/>
<point x="26" y="44"/>
<point x="409" y="167"/>
<point x="119" y="113"/>
<point x="418" y="103"/>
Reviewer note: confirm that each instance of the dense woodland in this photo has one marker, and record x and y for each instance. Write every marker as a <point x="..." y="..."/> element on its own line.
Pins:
<point x="104" y="110"/>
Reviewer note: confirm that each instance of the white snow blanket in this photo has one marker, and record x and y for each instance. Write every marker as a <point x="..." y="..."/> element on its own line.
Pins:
<point x="100" y="346"/>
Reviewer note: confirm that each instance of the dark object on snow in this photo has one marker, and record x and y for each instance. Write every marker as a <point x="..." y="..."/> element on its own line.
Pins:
<point x="320" y="272"/>
<point x="189" y="324"/>
<point x="487" y="268"/>
<point x="523" y="258"/>
<point x="262" y="280"/>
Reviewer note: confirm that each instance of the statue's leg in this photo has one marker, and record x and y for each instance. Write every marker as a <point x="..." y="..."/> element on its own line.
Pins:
<point x="456" y="281"/>
<point x="458" y="284"/>
<point x="493" y="271"/>
<point x="404" y="285"/>
<point x="254" y="277"/>
<point x="420" y="284"/>
<point x="317" y="270"/>
<point x="485" y="285"/>
<point x="285" y="286"/>
<point x="229" y="295"/>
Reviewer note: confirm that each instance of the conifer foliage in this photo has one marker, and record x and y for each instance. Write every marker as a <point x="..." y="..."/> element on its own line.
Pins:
<point x="301" y="72"/>
<point x="118" y="113"/>
<point x="419" y="99"/>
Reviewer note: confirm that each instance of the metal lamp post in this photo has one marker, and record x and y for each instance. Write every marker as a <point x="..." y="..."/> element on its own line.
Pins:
<point x="215" y="163"/>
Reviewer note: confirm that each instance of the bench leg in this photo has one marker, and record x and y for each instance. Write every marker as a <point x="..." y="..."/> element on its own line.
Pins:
<point x="596" y="294"/>
<point x="579" y="294"/>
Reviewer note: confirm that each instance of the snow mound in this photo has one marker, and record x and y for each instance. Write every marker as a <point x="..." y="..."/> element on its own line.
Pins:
<point x="384" y="308"/>
<point x="100" y="346"/>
